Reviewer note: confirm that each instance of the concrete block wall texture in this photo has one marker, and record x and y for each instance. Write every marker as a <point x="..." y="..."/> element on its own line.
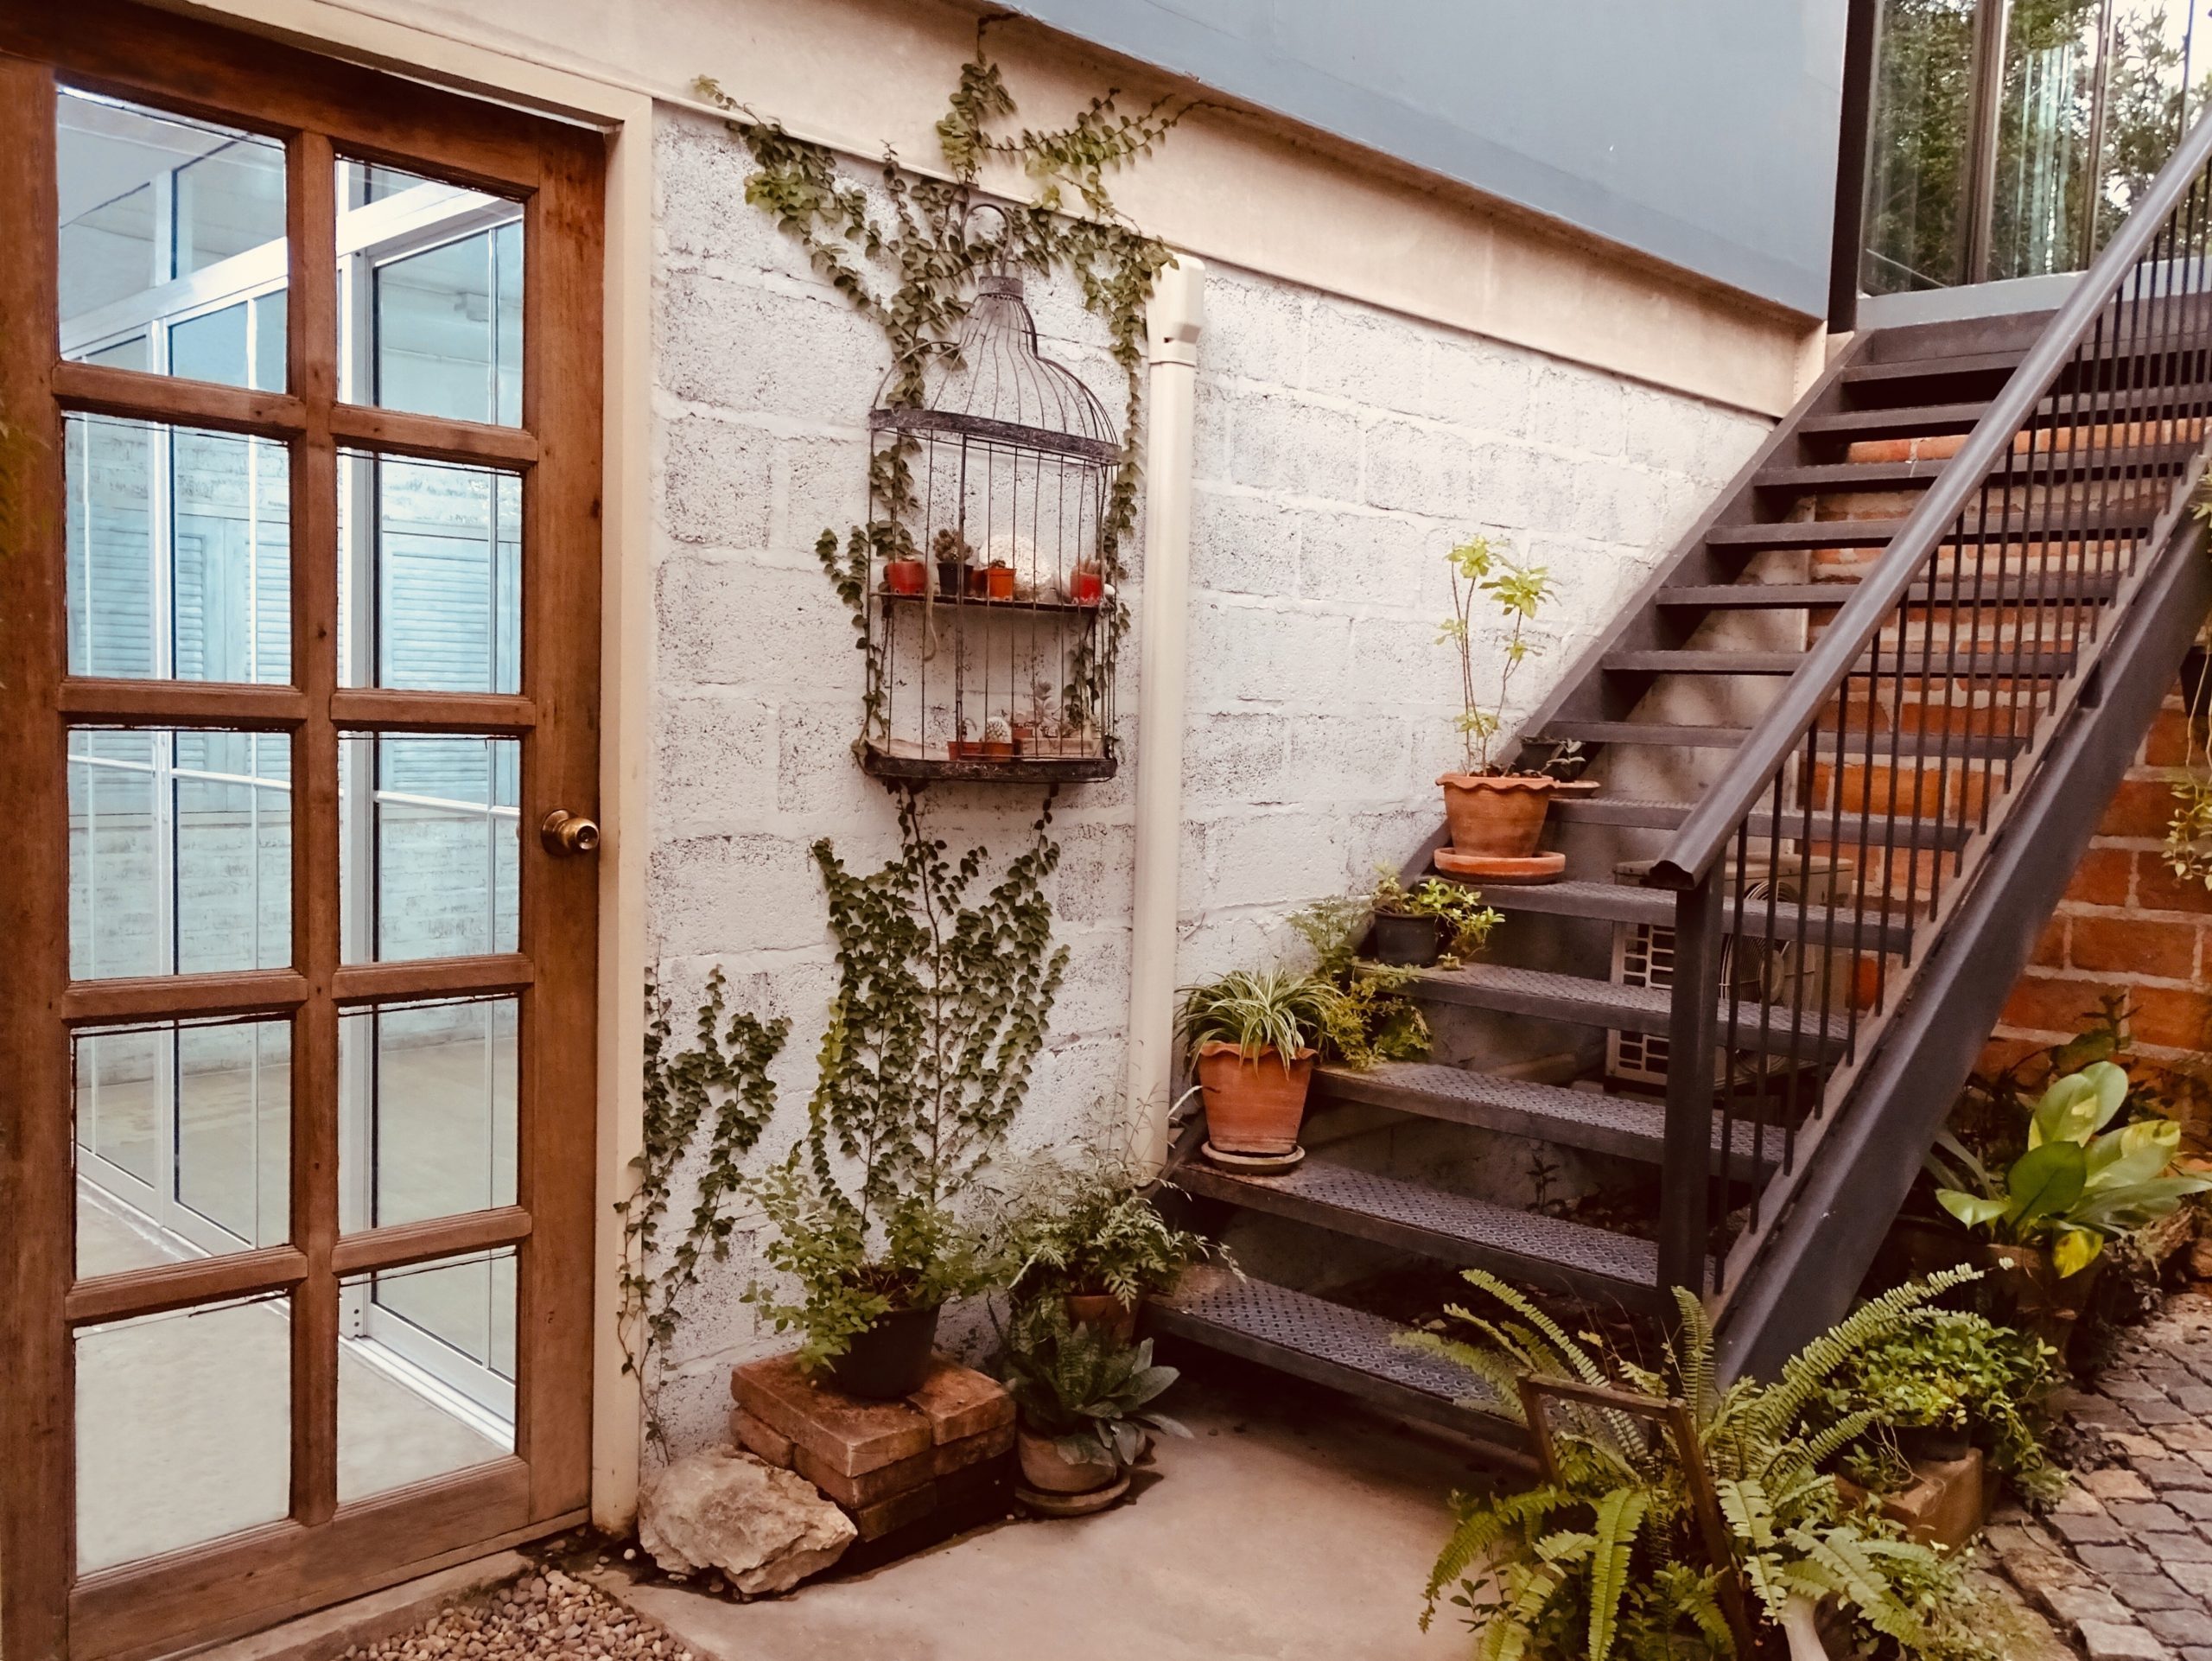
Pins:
<point x="1341" y="451"/>
<point x="2128" y="926"/>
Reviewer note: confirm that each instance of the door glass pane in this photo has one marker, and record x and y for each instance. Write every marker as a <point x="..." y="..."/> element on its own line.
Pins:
<point x="2156" y="62"/>
<point x="433" y="555"/>
<point x="159" y="213"/>
<point x="425" y="1372"/>
<point x="183" y="1142"/>
<point x="183" y="1429"/>
<point x="427" y="1111"/>
<point x="447" y="323"/>
<point x="179" y="545"/>
<point x="180" y="852"/>
<point x="1915" y="188"/>
<point x="429" y="854"/>
<point x="239" y="345"/>
<point x="2043" y="138"/>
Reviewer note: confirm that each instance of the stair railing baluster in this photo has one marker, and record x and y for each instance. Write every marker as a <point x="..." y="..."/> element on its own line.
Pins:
<point x="1685" y="1172"/>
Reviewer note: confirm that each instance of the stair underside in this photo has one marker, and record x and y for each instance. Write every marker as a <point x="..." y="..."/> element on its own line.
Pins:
<point x="2059" y="411"/>
<point x="2118" y="520"/>
<point x="2003" y="664"/>
<point x="1328" y="1344"/>
<point x="1600" y="1124"/>
<point x="1819" y="825"/>
<point x="1854" y="746"/>
<point x="1448" y="1227"/>
<point x="2029" y="588"/>
<point x="2030" y="467"/>
<point x="1547" y="997"/>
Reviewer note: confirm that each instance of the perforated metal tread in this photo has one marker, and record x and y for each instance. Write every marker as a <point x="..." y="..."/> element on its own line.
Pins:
<point x="1956" y="747"/>
<point x="1328" y="1344"/>
<point x="1880" y="534"/>
<point x="2146" y="460"/>
<point x="1624" y="902"/>
<point x="1572" y="1118"/>
<point x="2001" y="664"/>
<point x="1449" y="1227"/>
<point x="1630" y="1008"/>
<point x="2047" y="588"/>
<point x="1841" y="827"/>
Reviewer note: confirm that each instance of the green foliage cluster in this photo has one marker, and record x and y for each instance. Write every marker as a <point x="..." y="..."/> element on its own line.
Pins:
<point x="1372" y="1020"/>
<point x="1086" y="1389"/>
<point x="722" y="1084"/>
<point x="2078" y="1183"/>
<point x="939" y="1013"/>
<point x="912" y="275"/>
<point x="1460" y="908"/>
<point x="1954" y="1370"/>
<point x="1479" y="570"/>
<point x="1609" y="1560"/>
<point x="1087" y="1227"/>
<point x="1258" y="1010"/>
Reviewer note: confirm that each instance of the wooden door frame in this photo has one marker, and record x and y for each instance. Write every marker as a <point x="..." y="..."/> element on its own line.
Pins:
<point x="318" y="106"/>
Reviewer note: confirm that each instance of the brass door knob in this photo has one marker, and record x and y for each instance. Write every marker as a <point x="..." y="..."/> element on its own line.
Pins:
<point x="565" y="833"/>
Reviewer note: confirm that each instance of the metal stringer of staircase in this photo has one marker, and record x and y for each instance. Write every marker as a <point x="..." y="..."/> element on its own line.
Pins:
<point x="1970" y="564"/>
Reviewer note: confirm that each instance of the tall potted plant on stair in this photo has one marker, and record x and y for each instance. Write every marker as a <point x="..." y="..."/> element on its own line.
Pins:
<point x="1497" y="813"/>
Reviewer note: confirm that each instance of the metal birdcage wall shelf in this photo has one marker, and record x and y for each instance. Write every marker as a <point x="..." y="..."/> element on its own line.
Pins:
<point x="991" y="604"/>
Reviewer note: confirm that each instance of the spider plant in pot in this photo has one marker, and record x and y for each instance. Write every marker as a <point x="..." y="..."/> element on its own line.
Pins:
<point x="1253" y="1037"/>
<point x="1432" y="919"/>
<point x="1083" y="1400"/>
<point x="1496" y="813"/>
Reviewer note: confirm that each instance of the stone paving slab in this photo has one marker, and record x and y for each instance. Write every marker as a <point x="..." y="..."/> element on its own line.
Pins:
<point x="2124" y="1562"/>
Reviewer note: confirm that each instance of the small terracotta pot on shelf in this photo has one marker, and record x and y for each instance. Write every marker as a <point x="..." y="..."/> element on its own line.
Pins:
<point x="963" y="749"/>
<point x="1104" y="1312"/>
<point x="979" y="583"/>
<point x="1255" y="1104"/>
<point x="1086" y="587"/>
<point x="998" y="582"/>
<point x="906" y="577"/>
<point x="996" y="749"/>
<point x="1024" y="738"/>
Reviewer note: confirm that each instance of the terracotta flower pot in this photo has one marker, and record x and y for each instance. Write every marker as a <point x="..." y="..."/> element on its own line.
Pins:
<point x="906" y="577"/>
<point x="1496" y="816"/>
<point x="1086" y="587"/>
<point x="998" y="579"/>
<point x="1105" y="1312"/>
<point x="1043" y="1468"/>
<point x="979" y="583"/>
<point x="996" y="749"/>
<point x="1254" y="1104"/>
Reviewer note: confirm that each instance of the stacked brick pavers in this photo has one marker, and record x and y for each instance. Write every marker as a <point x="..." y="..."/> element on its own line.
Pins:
<point x="2124" y="1562"/>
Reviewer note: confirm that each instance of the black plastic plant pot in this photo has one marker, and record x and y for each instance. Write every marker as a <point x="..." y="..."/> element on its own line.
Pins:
<point x="1414" y="941"/>
<point x="1933" y="1444"/>
<point x="891" y="1358"/>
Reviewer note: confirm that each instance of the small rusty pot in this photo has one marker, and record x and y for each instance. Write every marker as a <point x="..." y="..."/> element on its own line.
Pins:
<point x="2039" y="1300"/>
<point x="1496" y="816"/>
<point x="1255" y="1104"/>
<point x="1104" y="1312"/>
<point x="1043" y="1468"/>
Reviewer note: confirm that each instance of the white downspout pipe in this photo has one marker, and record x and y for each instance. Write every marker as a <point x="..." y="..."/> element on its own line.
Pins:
<point x="1172" y="326"/>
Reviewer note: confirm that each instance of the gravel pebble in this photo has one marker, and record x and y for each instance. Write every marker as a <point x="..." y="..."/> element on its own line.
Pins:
<point x="546" y="1614"/>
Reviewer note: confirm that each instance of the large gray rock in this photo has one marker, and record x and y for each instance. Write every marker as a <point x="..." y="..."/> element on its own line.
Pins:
<point x="768" y="1530"/>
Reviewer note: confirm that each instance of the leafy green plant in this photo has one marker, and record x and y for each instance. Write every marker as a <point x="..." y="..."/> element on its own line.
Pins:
<point x="1372" y="1021"/>
<point x="1087" y="1227"/>
<point x="1087" y="1390"/>
<point x="2077" y="1184"/>
<point x="1608" y="1559"/>
<point x="1259" y="1010"/>
<point x="912" y="273"/>
<point x="939" y="1015"/>
<point x="722" y="1084"/>
<point x="1460" y="908"/>
<point x="1478" y="571"/>
<point x="1954" y="1370"/>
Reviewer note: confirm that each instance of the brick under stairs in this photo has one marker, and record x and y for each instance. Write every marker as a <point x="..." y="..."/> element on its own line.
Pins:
<point x="1808" y="517"/>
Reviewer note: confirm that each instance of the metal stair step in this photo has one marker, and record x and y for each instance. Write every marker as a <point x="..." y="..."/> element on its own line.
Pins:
<point x="1624" y="902"/>
<point x="1825" y="826"/>
<point x="1452" y="1228"/>
<point x="1973" y="363"/>
<point x="1620" y="1125"/>
<point x="1327" y="1344"/>
<point x="2063" y="409"/>
<point x="2032" y="466"/>
<point x="1954" y="747"/>
<point x="1547" y="996"/>
<point x="2002" y="663"/>
<point x="2118" y="519"/>
<point x="2046" y="588"/>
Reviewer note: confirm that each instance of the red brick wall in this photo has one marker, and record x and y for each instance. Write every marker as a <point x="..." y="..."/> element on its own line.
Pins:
<point x="2128" y="924"/>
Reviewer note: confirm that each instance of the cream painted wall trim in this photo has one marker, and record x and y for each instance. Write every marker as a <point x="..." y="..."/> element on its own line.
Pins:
<point x="1238" y="186"/>
<point x="1172" y="326"/>
<point x="627" y="634"/>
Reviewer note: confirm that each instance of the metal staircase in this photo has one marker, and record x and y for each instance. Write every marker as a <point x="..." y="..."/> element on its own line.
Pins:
<point x="1856" y="732"/>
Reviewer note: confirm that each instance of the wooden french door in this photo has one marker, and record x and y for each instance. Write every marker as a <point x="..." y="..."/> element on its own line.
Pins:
<point x="299" y="630"/>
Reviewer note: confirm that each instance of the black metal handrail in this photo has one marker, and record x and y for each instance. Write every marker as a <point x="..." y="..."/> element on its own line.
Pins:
<point x="1971" y="631"/>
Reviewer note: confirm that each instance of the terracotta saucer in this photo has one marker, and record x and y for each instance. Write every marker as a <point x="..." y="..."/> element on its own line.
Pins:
<point x="1254" y="1164"/>
<point x="1536" y="867"/>
<point x="1039" y="1503"/>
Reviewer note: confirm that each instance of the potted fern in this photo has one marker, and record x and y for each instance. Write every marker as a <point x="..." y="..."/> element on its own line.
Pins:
<point x="1680" y="1516"/>
<point x="1253" y="1037"/>
<point x="1497" y="813"/>
<point x="1083" y="1400"/>
<point x="1432" y="919"/>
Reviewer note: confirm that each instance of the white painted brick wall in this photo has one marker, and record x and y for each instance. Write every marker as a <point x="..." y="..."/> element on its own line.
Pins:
<point x="1340" y="451"/>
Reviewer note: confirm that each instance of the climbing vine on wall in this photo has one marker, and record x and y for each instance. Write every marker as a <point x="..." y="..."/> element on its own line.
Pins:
<point x="721" y="1086"/>
<point x="908" y="263"/>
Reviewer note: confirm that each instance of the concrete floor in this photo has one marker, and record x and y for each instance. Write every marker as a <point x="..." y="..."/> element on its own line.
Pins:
<point x="1291" y="1528"/>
